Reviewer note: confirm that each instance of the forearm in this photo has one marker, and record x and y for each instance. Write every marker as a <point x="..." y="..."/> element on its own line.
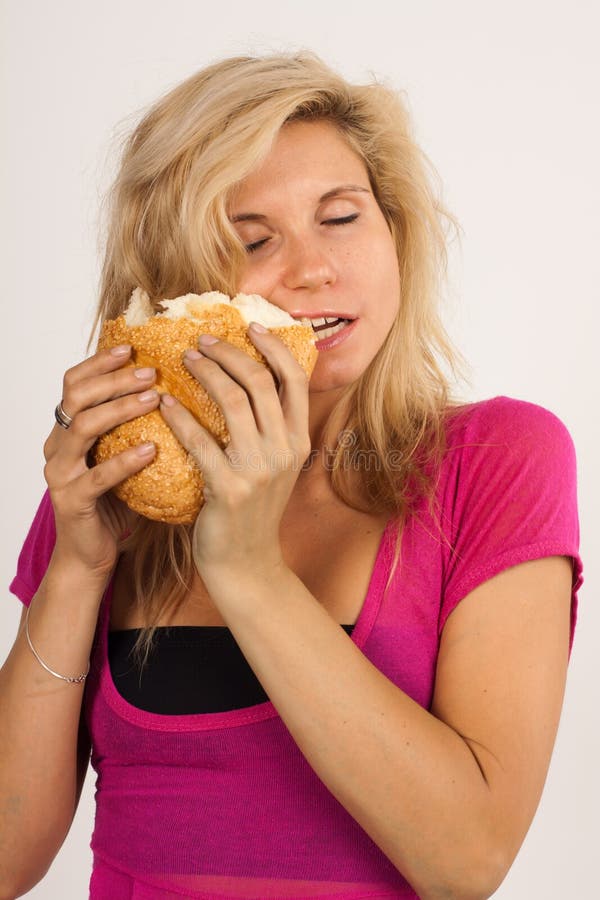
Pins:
<point x="40" y="717"/>
<point x="408" y="779"/>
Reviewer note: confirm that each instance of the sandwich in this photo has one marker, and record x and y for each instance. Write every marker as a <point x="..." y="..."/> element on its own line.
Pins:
<point x="170" y="488"/>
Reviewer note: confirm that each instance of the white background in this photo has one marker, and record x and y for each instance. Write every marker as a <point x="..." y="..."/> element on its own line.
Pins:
<point x="505" y="103"/>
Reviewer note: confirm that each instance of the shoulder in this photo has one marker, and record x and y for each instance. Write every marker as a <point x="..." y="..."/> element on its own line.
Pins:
<point x="509" y="494"/>
<point x="509" y="428"/>
<point x="510" y="476"/>
<point x="504" y="417"/>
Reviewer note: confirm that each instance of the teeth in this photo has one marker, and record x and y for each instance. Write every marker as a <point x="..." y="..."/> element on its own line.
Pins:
<point x="327" y="332"/>
<point x="318" y="321"/>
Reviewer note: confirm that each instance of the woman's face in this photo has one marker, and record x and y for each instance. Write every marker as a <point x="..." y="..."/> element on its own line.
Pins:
<point x="319" y="246"/>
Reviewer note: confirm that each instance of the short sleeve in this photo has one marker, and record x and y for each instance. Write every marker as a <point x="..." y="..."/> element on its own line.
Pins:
<point x="512" y="497"/>
<point x="35" y="553"/>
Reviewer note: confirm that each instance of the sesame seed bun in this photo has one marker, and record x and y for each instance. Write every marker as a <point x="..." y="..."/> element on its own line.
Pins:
<point x="170" y="488"/>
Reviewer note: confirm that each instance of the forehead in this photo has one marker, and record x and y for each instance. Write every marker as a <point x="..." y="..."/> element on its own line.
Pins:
<point x="307" y="156"/>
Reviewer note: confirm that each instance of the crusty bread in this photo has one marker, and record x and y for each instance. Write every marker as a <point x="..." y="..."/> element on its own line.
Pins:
<point x="169" y="489"/>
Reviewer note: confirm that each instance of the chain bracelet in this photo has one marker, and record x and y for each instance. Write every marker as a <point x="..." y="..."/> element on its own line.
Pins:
<point x="77" y="679"/>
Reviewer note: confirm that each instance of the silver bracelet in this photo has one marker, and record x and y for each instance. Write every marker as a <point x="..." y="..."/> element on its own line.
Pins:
<point x="78" y="679"/>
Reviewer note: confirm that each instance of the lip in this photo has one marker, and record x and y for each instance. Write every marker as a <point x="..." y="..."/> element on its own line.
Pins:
<point x="335" y="339"/>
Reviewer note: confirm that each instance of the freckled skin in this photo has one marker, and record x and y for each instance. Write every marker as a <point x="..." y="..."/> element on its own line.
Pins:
<point x="308" y="265"/>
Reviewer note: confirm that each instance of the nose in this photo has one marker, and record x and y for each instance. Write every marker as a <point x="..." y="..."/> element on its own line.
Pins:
<point x="308" y="264"/>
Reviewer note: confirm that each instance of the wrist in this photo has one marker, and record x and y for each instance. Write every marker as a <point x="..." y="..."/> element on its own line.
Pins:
<point x="242" y="569"/>
<point x="238" y="584"/>
<point x="71" y="570"/>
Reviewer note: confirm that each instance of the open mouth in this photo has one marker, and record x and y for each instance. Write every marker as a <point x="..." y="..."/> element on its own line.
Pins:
<point x="325" y="326"/>
<point x="330" y="328"/>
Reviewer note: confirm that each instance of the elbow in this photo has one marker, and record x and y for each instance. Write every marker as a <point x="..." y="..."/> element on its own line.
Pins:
<point x="12" y="890"/>
<point x="19" y="874"/>
<point x="489" y="870"/>
<point x="468" y="889"/>
<point x="477" y="879"/>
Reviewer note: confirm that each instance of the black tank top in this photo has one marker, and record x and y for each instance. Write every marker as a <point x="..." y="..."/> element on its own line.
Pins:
<point x="191" y="669"/>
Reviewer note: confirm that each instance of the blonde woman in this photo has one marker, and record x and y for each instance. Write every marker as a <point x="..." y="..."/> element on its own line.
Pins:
<point x="361" y="684"/>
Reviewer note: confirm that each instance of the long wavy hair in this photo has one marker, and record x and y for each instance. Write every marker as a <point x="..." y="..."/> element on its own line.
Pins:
<point x="168" y="232"/>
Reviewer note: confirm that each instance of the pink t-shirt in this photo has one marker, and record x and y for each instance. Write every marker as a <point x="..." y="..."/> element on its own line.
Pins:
<point x="224" y="805"/>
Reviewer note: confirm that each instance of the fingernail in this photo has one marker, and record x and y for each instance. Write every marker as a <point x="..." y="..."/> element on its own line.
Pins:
<point x="207" y="339"/>
<point x="121" y="350"/>
<point x="145" y="373"/>
<point x="168" y="400"/>
<point x="256" y="326"/>
<point x="192" y="354"/>
<point x="147" y="396"/>
<point x="145" y="449"/>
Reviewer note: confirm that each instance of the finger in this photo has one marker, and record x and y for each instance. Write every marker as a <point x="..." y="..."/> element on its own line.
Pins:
<point x="233" y="392"/>
<point x="198" y="442"/>
<point x="255" y="384"/>
<point x="99" y="363"/>
<point x="93" y="483"/>
<point x="99" y="387"/>
<point x="108" y="378"/>
<point x="293" y="380"/>
<point x="70" y="454"/>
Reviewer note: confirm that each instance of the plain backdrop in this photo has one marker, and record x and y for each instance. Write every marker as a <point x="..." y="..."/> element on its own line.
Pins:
<point x="504" y="98"/>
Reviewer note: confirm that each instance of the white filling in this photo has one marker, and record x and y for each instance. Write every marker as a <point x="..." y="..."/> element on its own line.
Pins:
<point x="191" y="304"/>
<point x="139" y="309"/>
<point x="252" y="308"/>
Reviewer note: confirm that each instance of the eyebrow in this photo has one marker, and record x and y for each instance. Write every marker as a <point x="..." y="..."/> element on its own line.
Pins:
<point x="341" y="189"/>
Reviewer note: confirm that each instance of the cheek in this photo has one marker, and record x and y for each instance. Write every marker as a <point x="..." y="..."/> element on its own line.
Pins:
<point x="384" y="267"/>
<point x="256" y="279"/>
<point x="245" y="281"/>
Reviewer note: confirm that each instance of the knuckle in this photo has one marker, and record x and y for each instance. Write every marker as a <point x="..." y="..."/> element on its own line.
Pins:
<point x="290" y="461"/>
<point x="300" y="376"/>
<point x="239" y="491"/>
<point x="235" y="398"/>
<point x="78" y="425"/>
<point x="48" y="446"/>
<point x="261" y="377"/>
<point x="48" y="473"/>
<point x="70" y="400"/>
<point x="303" y="448"/>
<point x="263" y="476"/>
<point x="69" y="378"/>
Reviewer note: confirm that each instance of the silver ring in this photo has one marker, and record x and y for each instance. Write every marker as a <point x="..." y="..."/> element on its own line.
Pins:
<point x="61" y="416"/>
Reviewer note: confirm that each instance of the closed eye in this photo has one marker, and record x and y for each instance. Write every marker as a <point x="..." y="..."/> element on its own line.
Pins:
<point x="250" y="248"/>
<point x="345" y="220"/>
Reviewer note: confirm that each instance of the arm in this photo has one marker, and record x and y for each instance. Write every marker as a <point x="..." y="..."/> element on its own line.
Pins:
<point x="447" y="795"/>
<point x="44" y="746"/>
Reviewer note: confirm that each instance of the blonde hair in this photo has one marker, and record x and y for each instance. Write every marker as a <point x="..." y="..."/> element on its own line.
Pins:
<point x="169" y="233"/>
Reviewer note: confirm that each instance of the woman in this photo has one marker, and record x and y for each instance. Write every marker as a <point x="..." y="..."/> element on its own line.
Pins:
<point x="361" y="686"/>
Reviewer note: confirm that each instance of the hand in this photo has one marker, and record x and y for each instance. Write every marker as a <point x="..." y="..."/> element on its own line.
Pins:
<point x="248" y="484"/>
<point x="98" y="394"/>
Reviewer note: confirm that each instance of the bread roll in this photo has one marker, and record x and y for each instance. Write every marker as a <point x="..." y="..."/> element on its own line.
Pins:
<point x="169" y="489"/>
